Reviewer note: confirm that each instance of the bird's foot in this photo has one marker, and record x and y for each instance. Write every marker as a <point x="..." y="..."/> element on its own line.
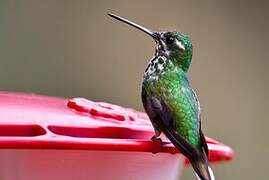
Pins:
<point x="158" y="142"/>
<point x="156" y="139"/>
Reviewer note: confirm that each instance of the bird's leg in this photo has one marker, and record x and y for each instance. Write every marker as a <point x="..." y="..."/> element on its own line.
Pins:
<point x="156" y="137"/>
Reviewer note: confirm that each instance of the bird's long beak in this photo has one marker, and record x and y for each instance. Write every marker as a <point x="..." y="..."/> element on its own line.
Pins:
<point x="154" y="35"/>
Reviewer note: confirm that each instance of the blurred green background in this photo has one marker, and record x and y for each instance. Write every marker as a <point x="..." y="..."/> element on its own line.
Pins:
<point x="72" y="48"/>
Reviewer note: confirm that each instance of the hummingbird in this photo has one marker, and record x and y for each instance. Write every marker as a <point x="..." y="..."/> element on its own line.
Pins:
<point x="168" y="99"/>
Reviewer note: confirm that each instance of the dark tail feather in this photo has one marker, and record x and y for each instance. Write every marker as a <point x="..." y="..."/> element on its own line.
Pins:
<point x="202" y="169"/>
<point x="198" y="158"/>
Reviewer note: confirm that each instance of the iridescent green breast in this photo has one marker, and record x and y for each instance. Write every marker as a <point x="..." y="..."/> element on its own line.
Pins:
<point x="172" y="86"/>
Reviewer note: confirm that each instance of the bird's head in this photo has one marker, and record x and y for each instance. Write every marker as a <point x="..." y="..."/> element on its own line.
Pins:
<point x="176" y="46"/>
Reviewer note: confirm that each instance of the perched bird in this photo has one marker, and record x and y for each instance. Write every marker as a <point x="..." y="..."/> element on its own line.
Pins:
<point x="169" y="100"/>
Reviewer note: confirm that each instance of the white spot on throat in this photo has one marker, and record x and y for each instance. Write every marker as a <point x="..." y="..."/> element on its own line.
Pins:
<point x="180" y="45"/>
<point x="155" y="68"/>
<point x="160" y="67"/>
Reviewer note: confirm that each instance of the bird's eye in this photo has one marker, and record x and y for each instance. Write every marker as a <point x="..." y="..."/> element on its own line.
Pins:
<point x="169" y="39"/>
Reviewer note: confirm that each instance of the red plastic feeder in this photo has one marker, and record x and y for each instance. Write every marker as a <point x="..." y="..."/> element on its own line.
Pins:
<point x="54" y="138"/>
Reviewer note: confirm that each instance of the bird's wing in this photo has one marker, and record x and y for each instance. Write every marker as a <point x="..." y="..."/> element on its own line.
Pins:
<point x="161" y="115"/>
<point x="204" y="144"/>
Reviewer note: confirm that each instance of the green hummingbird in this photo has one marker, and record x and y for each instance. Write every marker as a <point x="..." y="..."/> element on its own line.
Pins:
<point x="169" y="100"/>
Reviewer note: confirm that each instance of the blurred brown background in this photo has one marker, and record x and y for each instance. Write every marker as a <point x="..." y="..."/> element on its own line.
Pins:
<point x="72" y="48"/>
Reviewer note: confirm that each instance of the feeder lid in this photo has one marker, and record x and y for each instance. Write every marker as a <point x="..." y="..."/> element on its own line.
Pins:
<point x="29" y="121"/>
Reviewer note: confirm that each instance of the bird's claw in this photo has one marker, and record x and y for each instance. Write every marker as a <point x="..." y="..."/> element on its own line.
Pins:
<point x="156" y="139"/>
<point x="159" y="141"/>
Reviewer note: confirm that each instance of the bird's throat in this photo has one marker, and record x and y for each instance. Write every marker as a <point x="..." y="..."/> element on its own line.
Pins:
<point x="159" y="66"/>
